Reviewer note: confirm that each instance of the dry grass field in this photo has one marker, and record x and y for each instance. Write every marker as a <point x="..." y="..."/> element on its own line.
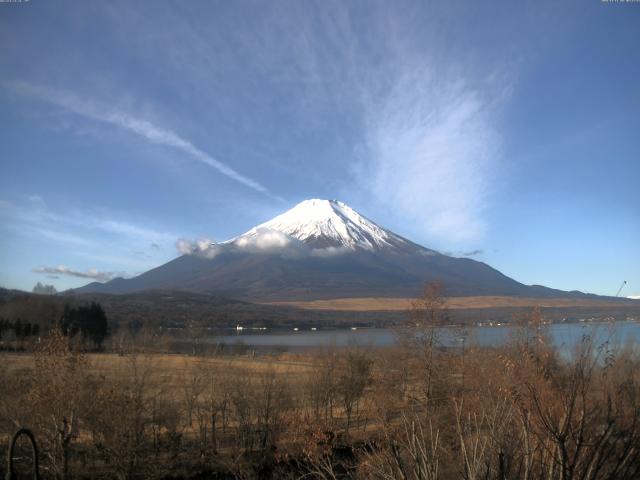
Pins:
<point x="506" y="412"/>
<point x="171" y="371"/>
<point x="453" y="303"/>
<point x="350" y="413"/>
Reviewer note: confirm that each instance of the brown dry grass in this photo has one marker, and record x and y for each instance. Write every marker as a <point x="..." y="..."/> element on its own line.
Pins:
<point x="172" y="369"/>
<point x="400" y="304"/>
<point x="470" y="397"/>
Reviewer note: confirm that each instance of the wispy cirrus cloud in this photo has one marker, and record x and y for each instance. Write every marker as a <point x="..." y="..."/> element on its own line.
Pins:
<point x="129" y="230"/>
<point x="431" y="150"/>
<point x="153" y="133"/>
<point x="85" y="236"/>
<point x="55" y="235"/>
<point x="421" y="121"/>
<point x="35" y="217"/>
<point x="92" y="273"/>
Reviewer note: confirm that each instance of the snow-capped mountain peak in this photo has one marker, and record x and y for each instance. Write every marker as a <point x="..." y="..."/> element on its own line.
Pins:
<point x="330" y="223"/>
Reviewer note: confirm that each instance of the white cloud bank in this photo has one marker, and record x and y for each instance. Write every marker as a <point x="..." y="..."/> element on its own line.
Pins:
<point x="202" y="247"/>
<point x="268" y="240"/>
<point x="265" y="240"/>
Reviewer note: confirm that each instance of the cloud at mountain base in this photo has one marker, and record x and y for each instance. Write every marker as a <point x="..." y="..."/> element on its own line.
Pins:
<point x="203" y="247"/>
<point x="264" y="240"/>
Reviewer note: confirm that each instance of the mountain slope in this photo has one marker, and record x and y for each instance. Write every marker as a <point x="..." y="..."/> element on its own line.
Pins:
<point x="321" y="249"/>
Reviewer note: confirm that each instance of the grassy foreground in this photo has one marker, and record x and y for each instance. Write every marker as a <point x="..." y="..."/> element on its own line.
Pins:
<point x="452" y="303"/>
<point x="414" y="411"/>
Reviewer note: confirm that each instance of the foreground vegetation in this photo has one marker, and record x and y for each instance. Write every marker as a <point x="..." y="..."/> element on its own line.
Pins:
<point x="415" y="411"/>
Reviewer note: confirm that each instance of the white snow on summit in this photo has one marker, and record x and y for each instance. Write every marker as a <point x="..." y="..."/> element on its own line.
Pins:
<point x="328" y="224"/>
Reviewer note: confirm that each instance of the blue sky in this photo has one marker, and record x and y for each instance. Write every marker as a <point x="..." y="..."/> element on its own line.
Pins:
<point x="505" y="131"/>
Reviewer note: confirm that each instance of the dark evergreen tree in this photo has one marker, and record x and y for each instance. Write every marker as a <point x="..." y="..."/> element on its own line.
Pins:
<point x="97" y="326"/>
<point x="90" y="321"/>
<point x="26" y="329"/>
<point x="69" y="323"/>
<point x="17" y="328"/>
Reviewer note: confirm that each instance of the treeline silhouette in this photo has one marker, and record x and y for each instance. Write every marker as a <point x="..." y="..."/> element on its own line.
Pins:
<point x="20" y="329"/>
<point x="88" y="322"/>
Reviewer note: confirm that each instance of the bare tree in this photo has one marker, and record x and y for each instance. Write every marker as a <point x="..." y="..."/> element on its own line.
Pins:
<point x="212" y="406"/>
<point x="426" y="315"/>
<point x="241" y="400"/>
<point x="272" y="401"/>
<point x="195" y="330"/>
<point x="478" y="434"/>
<point x="122" y="417"/>
<point x="411" y="451"/>
<point x="192" y="388"/>
<point x="56" y="398"/>
<point x="354" y="376"/>
<point x="321" y="386"/>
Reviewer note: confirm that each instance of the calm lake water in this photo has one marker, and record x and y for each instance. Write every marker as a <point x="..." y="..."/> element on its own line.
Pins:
<point x="564" y="335"/>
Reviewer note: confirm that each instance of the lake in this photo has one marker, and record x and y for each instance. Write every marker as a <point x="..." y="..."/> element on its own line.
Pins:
<point x="563" y="335"/>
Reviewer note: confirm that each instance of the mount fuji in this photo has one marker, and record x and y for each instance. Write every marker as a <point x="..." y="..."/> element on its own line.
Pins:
<point x="320" y="249"/>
